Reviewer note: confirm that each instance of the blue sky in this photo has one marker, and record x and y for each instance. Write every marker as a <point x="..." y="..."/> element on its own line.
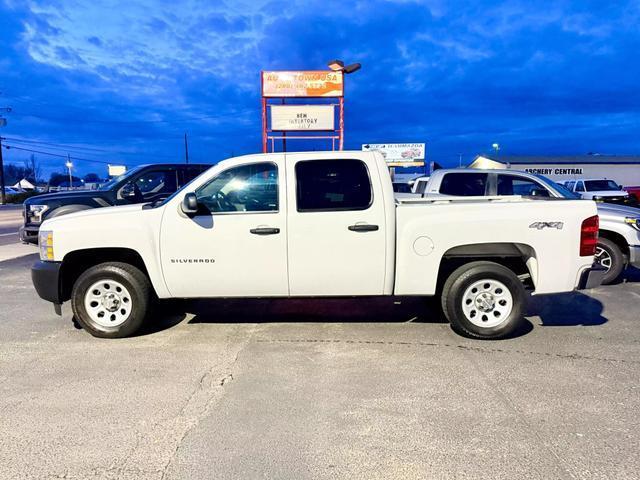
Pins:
<point x="121" y="81"/>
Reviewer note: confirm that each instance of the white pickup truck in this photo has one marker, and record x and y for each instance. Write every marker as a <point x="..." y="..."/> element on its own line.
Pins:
<point x="319" y="224"/>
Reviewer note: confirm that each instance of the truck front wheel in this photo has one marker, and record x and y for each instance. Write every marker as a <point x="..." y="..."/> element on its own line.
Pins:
<point x="483" y="300"/>
<point x="110" y="300"/>
<point x="609" y="255"/>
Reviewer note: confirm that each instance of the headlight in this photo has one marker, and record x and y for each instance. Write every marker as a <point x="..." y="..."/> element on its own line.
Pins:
<point x="598" y="198"/>
<point x="45" y="243"/>
<point x="633" y="221"/>
<point x="35" y="212"/>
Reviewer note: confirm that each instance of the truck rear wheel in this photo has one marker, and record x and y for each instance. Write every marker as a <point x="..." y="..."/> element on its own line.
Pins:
<point x="483" y="300"/>
<point x="110" y="300"/>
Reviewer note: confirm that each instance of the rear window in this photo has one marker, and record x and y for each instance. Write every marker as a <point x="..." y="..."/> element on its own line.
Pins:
<point x="464" y="184"/>
<point x="324" y="185"/>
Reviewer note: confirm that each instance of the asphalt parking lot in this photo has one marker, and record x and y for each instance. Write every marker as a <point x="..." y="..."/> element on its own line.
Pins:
<point x="320" y="389"/>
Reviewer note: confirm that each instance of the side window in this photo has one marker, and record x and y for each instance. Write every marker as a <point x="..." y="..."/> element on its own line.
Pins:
<point x="515" y="185"/>
<point x="156" y="181"/>
<point x="570" y="185"/>
<point x="189" y="173"/>
<point x="323" y="185"/>
<point x="422" y="186"/>
<point x="464" y="184"/>
<point x="246" y="188"/>
<point x="580" y="187"/>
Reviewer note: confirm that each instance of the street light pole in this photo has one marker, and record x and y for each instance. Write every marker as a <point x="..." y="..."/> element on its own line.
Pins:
<point x="338" y="66"/>
<point x="69" y="165"/>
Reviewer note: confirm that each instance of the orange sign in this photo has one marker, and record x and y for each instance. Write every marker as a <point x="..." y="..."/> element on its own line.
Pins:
<point x="318" y="83"/>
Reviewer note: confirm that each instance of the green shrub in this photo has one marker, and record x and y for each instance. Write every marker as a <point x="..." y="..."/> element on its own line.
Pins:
<point x="21" y="197"/>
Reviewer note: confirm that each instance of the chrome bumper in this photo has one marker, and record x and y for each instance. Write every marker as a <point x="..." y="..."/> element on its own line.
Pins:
<point x="634" y="255"/>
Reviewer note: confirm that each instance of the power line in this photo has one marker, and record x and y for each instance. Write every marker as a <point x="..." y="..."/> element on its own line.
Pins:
<point x="135" y="122"/>
<point x="60" y="146"/>
<point x="58" y="155"/>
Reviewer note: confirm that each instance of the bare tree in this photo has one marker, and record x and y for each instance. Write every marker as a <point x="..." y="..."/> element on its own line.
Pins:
<point x="33" y="167"/>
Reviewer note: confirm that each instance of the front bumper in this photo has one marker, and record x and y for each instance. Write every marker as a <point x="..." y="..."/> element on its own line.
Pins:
<point x="29" y="234"/>
<point x="634" y="255"/>
<point x="592" y="277"/>
<point x="46" y="280"/>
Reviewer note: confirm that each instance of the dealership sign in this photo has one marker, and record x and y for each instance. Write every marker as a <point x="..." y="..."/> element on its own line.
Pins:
<point x="302" y="117"/>
<point x="302" y="84"/>
<point x="116" y="170"/>
<point x="399" y="154"/>
<point x="555" y="171"/>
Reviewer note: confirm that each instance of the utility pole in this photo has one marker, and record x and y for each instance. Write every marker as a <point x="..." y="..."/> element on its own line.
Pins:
<point x="186" y="150"/>
<point x="2" y="197"/>
<point x="3" y="122"/>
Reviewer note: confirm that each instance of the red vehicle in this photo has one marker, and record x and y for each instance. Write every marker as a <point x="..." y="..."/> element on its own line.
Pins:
<point x="633" y="192"/>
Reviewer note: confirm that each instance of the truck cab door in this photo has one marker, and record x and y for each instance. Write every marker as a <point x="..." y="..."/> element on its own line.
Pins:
<point x="235" y="245"/>
<point x="336" y="220"/>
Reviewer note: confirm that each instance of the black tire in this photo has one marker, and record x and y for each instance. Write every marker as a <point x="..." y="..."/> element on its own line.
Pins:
<point x="139" y="289"/>
<point x="611" y="252"/>
<point x="465" y="277"/>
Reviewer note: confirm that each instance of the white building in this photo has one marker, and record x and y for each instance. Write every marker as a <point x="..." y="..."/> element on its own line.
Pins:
<point x="622" y="169"/>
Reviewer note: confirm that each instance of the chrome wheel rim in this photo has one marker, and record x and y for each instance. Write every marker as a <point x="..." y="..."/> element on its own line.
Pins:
<point x="603" y="258"/>
<point x="487" y="303"/>
<point x="108" y="303"/>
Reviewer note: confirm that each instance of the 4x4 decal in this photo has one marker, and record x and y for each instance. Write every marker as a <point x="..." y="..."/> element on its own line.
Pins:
<point x="541" y="225"/>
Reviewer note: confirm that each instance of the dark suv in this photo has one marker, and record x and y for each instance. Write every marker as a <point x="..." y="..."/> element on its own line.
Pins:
<point x="146" y="183"/>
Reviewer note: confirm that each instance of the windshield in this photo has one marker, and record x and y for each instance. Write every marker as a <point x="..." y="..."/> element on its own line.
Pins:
<point x="110" y="184"/>
<point x="599" y="185"/>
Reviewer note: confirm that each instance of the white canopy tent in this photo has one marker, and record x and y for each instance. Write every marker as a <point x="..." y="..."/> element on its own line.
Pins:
<point x="24" y="184"/>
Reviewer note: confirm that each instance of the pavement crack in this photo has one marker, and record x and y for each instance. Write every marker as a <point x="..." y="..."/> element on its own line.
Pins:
<point x="567" y="356"/>
<point x="195" y="408"/>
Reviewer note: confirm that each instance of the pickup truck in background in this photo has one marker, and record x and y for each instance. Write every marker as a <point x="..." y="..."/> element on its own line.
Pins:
<point x="600" y="190"/>
<point x="145" y="183"/>
<point x="619" y="236"/>
<point x="315" y="224"/>
<point x="634" y="192"/>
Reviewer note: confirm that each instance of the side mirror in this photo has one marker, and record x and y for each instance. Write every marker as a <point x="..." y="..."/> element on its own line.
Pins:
<point x="128" y="190"/>
<point x="190" y="204"/>
<point x="539" y="192"/>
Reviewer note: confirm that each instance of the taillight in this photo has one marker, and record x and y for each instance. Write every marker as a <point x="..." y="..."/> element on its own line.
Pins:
<point x="589" y="236"/>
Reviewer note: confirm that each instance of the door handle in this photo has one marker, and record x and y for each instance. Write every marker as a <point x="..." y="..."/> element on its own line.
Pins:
<point x="363" y="227"/>
<point x="265" y="231"/>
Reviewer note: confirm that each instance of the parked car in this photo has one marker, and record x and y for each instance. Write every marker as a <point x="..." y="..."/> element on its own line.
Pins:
<point x="619" y="236"/>
<point x="146" y="183"/>
<point x="11" y="191"/>
<point x="633" y="191"/>
<point x="600" y="190"/>
<point x="315" y="224"/>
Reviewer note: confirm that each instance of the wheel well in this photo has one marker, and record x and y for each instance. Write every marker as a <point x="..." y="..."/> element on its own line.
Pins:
<point x="511" y="255"/>
<point x="616" y="238"/>
<point x="75" y="263"/>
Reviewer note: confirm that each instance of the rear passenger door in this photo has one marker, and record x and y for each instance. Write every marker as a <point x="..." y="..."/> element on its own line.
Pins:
<point x="336" y="226"/>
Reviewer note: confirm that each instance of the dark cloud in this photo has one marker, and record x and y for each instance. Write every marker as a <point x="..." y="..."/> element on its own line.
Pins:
<point x="458" y="75"/>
